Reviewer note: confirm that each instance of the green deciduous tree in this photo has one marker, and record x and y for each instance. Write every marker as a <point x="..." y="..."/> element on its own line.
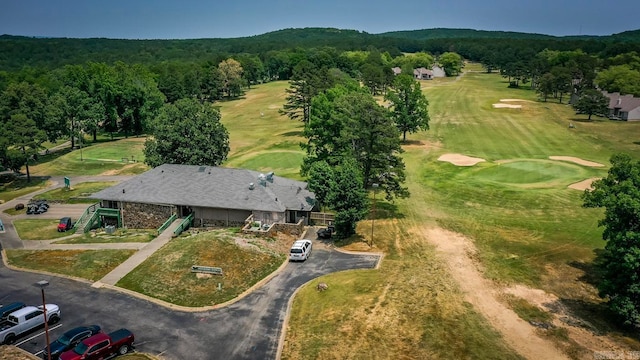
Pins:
<point x="409" y="108"/>
<point x="25" y="137"/>
<point x="451" y="63"/>
<point x="592" y="101"/>
<point x="546" y="86"/>
<point x="348" y="197"/>
<point x="619" y="194"/>
<point x="320" y="180"/>
<point x="620" y="78"/>
<point x="187" y="132"/>
<point x="348" y="123"/>
<point x="231" y="76"/>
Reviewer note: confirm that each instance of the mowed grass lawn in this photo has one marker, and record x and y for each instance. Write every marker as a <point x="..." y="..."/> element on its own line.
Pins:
<point x="87" y="264"/>
<point x="104" y="158"/>
<point x="167" y="275"/>
<point x="39" y="229"/>
<point x="11" y="188"/>
<point x="261" y="139"/>
<point x="76" y="194"/>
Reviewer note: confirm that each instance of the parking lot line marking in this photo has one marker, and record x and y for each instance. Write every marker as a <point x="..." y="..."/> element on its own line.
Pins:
<point x="36" y="335"/>
<point x="38" y="353"/>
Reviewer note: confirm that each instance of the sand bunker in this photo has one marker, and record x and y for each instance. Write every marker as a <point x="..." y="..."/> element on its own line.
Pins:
<point x="509" y="106"/>
<point x="514" y="100"/>
<point x="583" y="185"/>
<point x="460" y="160"/>
<point x="502" y="104"/>
<point x="576" y="160"/>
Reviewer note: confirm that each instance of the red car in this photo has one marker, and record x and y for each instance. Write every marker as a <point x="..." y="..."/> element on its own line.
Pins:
<point x="65" y="224"/>
<point x="101" y="346"/>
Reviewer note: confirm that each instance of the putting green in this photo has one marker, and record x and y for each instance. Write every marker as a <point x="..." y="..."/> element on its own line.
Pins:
<point x="531" y="173"/>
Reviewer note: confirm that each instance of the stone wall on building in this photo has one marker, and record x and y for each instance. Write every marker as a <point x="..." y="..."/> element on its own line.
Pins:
<point x="145" y="216"/>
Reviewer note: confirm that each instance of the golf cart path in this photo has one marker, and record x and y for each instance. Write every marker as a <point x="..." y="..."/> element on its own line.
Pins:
<point x="457" y="251"/>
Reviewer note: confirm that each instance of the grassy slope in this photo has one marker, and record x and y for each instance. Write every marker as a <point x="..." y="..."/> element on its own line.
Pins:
<point x="99" y="158"/>
<point x="528" y="226"/>
<point x="262" y="139"/>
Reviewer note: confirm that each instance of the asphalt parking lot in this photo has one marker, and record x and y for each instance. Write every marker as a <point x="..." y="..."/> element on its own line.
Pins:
<point x="247" y="329"/>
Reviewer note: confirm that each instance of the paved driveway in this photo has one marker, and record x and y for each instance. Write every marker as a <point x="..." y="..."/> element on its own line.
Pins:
<point x="248" y="329"/>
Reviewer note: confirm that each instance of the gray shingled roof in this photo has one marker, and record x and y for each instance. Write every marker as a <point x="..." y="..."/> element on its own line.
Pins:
<point x="625" y="103"/>
<point x="208" y="186"/>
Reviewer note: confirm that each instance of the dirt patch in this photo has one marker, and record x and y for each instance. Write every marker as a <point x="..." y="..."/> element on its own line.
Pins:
<point x="508" y="106"/>
<point x="576" y="160"/>
<point x="458" y="252"/>
<point x="580" y="332"/>
<point x="583" y="185"/>
<point x="460" y="160"/>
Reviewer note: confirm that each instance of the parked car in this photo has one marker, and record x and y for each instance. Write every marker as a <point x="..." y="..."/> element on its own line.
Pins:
<point x="37" y="206"/>
<point x="326" y="233"/>
<point x="300" y="250"/>
<point x="69" y="340"/>
<point x="101" y="346"/>
<point x="25" y="319"/>
<point x="65" y="224"/>
<point x="5" y="310"/>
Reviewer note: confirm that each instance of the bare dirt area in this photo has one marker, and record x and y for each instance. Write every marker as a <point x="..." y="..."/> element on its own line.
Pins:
<point x="460" y="160"/>
<point x="583" y="185"/>
<point x="584" y="342"/>
<point x="576" y="160"/>
<point x="459" y="252"/>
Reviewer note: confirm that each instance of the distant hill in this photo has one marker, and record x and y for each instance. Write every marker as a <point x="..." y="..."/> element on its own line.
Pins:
<point x="443" y="33"/>
<point x="19" y="51"/>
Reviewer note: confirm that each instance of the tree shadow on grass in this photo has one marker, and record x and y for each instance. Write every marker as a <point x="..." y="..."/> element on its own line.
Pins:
<point x="292" y="133"/>
<point x="594" y="315"/>
<point x="386" y="210"/>
<point x="412" y="142"/>
<point x="586" y="120"/>
<point x="592" y="274"/>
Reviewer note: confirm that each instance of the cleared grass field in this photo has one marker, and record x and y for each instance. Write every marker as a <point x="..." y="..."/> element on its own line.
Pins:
<point x="261" y="139"/>
<point x="99" y="158"/>
<point x="87" y="264"/>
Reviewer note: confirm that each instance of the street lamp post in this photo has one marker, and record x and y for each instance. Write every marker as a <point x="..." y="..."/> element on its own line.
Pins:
<point x="42" y="284"/>
<point x="373" y="215"/>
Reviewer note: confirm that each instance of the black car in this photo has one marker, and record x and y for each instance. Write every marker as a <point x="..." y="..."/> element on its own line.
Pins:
<point x="70" y="339"/>
<point x="326" y="233"/>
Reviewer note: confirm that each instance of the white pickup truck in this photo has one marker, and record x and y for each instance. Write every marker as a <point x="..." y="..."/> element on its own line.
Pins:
<point x="25" y="319"/>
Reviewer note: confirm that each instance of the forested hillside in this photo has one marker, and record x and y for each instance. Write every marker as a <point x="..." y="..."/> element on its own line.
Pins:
<point x="17" y="52"/>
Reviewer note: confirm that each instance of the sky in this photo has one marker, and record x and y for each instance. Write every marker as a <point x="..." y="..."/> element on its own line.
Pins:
<point x="192" y="19"/>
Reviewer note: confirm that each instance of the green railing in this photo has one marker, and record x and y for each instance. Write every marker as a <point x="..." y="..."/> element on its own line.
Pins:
<point x="85" y="217"/>
<point x="96" y="218"/>
<point x="184" y="225"/>
<point x="166" y="224"/>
